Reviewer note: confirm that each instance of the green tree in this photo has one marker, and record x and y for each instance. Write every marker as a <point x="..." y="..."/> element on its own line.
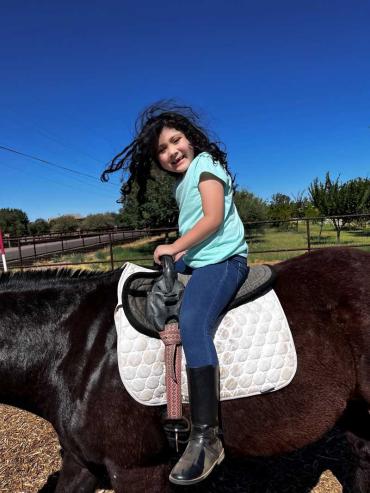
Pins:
<point x="159" y="208"/>
<point x="302" y="207"/>
<point x="105" y="220"/>
<point x="64" y="224"/>
<point x="334" y="198"/>
<point x="281" y="209"/>
<point x="250" y="207"/>
<point x="14" y="222"/>
<point x="39" y="227"/>
<point x="358" y="195"/>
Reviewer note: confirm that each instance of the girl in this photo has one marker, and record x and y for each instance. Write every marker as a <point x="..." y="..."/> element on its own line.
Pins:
<point x="211" y="247"/>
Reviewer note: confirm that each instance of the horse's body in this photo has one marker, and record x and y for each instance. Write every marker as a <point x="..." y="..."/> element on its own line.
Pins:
<point x="58" y="359"/>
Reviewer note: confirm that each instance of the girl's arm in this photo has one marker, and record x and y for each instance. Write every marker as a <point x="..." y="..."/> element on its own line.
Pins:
<point x="213" y="204"/>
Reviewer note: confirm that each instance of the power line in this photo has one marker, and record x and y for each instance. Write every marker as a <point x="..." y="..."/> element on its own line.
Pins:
<point x="34" y="126"/>
<point x="74" y="186"/>
<point x="44" y="161"/>
<point x="71" y="116"/>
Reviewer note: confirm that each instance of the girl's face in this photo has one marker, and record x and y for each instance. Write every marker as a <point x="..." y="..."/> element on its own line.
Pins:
<point x="175" y="152"/>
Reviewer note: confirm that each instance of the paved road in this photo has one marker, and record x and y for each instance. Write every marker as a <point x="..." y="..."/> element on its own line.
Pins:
<point x="40" y="249"/>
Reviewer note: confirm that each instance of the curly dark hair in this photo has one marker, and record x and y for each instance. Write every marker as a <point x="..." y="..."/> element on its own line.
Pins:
<point x="136" y="160"/>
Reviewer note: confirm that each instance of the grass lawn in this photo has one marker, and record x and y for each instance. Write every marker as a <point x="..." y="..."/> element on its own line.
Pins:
<point x="273" y="238"/>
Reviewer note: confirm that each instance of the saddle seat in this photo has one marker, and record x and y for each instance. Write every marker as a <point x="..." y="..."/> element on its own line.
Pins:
<point x="139" y="286"/>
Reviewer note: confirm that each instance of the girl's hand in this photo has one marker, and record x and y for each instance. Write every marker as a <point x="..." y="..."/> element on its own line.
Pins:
<point x="163" y="250"/>
<point x="179" y="255"/>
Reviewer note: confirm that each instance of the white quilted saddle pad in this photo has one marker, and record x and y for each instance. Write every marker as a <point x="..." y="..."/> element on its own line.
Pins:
<point x="253" y="342"/>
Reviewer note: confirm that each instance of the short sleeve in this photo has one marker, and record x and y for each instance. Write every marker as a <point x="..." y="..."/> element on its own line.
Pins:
<point x="205" y="164"/>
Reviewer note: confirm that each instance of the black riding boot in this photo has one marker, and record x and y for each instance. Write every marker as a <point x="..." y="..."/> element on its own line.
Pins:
<point x="204" y="450"/>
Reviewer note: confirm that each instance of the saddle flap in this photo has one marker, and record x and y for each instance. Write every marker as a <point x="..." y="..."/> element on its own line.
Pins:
<point x="134" y="296"/>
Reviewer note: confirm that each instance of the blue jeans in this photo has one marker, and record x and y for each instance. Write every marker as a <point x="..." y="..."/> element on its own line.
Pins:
<point x="207" y="293"/>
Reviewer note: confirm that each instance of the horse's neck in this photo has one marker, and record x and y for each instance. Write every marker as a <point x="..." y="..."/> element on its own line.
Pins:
<point x="28" y="325"/>
<point x="46" y="337"/>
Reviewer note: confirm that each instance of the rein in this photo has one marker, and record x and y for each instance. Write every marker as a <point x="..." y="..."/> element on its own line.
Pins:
<point x="175" y="424"/>
<point x="162" y="307"/>
<point x="170" y="336"/>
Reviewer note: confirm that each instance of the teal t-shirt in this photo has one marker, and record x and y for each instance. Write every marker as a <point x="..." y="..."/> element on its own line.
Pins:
<point x="229" y="239"/>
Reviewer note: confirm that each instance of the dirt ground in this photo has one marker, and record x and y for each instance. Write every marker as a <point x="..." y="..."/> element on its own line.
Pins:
<point x="30" y="458"/>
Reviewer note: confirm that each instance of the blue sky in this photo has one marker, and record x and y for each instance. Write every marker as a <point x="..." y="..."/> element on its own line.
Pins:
<point x="285" y="85"/>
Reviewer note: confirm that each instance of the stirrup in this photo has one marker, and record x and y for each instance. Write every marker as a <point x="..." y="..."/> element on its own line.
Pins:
<point x="177" y="431"/>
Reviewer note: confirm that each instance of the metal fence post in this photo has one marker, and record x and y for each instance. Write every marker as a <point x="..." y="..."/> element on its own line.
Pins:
<point x="20" y="254"/>
<point x="308" y="235"/>
<point x="34" y="247"/>
<point x="111" y="251"/>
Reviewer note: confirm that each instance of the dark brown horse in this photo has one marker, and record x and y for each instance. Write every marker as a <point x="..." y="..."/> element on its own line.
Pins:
<point x="58" y="359"/>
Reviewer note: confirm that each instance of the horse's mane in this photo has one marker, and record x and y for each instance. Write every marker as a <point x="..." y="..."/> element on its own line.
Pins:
<point x="53" y="277"/>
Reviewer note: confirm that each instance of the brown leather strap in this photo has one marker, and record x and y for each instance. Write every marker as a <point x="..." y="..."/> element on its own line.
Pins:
<point x="172" y="355"/>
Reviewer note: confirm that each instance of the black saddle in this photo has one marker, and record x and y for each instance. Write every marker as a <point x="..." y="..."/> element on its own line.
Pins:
<point x="151" y="299"/>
